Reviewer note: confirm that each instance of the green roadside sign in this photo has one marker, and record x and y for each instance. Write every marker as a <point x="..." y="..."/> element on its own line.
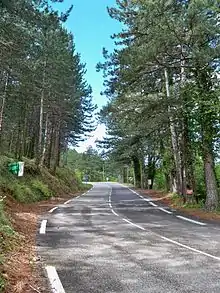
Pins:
<point x="13" y="168"/>
<point x="16" y="168"/>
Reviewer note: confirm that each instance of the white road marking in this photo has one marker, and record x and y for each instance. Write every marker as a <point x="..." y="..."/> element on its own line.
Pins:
<point x="114" y="213"/>
<point x="192" y="221"/>
<point x="133" y="224"/>
<point x="168" y="239"/>
<point x="68" y="201"/>
<point x="166" y="211"/>
<point x="43" y="227"/>
<point x="190" y="248"/>
<point x="54" y="279"/>
<point x="175" y="242"/>
<point x="53" y="209"/>
<point x="153" y="204"/>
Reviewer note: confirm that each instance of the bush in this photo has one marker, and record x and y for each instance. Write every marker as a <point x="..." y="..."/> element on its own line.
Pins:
<point x="23" y="193"/>
<point x="68" y="178"/>
<point x="159" y="181"/>
<point x="42" y="189"/>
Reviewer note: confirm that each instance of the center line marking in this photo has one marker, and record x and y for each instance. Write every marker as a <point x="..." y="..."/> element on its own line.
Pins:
<point x="192" y="221"/>
<point x="43" y="227"/>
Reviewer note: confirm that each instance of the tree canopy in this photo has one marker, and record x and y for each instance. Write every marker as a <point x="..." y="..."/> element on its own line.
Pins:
<point x="162" y="82"/>
<point x="46" y="103"/>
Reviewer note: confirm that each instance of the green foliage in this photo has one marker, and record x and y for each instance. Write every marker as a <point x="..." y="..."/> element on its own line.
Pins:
<point x="163" y="91"/>
<point x="68" y="179"/>
<point x="2" y="284"/>
<point x="91" y="163"/>
<point x="159" y="181"/>
<point x="37" y="183"/>
<point x="41" y="188"/>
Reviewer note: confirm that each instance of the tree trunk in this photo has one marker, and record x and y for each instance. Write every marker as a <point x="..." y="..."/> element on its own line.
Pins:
<point x="174" y="139"/>
<point x="211" y="184"/>
<point x="137" y="174"/>
<point x="45" y="141"/>
<point x="41" y="114"/>
<point x="3" y="105"/>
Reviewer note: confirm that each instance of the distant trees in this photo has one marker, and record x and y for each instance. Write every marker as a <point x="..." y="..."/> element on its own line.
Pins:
<point x="46" y="104"/>
<point x="91" y="164"/>
<point x="163" y="89"/>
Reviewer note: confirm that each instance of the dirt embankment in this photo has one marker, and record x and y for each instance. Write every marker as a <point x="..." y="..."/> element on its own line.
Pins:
<point x="22" y="267"/>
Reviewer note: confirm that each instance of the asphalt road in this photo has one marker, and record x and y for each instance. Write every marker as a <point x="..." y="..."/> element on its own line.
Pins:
<point x="112" y="240"/>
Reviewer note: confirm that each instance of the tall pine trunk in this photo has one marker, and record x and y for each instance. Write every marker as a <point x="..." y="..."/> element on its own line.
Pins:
<point x="174" y="140"/>
<point x="3" y="105"/>
<point x="41" y="116"/>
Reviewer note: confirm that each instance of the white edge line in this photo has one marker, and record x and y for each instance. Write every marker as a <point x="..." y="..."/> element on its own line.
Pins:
<point x="43" y="227"/>
<point x="147" y="199"/>
<point x="114" y="213"/>
<point x="168" y="212"/>
<point x="133" y="224"/>
<point x="192" y="221"/>
<point x="153" y="204"/>
<point x="178" y="243"/>
<point x="53" y="209"/>
<point x="54" y="279"/>
<point x="175" y="242"/>
<point x="190" y="248"/>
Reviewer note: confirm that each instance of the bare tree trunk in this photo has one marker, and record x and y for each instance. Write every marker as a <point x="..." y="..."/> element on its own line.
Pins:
<point x="211" y="184"/>
<point x="3" y="101"/>
<point x="45" y="141"/>
<point x="3" y="105"/>
<point x="41" y="116"/>
<point x="174" y="140"/>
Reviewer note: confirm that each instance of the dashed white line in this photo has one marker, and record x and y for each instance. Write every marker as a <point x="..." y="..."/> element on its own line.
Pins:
<point x="54" y="279"/>
<point x="68" y="201"/>
<point x="166" y="211"/>
<point x="192" y="221"/>
<point x="43" y="227"/>
<point x="53" y="209"/>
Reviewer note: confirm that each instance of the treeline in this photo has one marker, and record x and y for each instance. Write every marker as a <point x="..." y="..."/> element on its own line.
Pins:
<point x="46" y="103"/>
<point x="163" y="87"/>
<point x="91" y="165"/>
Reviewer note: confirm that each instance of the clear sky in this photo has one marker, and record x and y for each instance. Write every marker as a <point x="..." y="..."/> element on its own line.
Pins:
<point x="92" y="27"/>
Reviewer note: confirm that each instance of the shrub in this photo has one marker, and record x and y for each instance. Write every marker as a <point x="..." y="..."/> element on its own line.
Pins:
<point x="23" y="193"/>
<point x="41" y="189"/>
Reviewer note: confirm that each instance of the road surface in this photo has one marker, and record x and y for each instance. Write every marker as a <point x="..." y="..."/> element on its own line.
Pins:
<point x="113" y="240"/>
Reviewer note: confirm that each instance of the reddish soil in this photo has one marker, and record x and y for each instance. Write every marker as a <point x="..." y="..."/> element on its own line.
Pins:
<point x="166" y="199"/>
<point x="22" y="267"/>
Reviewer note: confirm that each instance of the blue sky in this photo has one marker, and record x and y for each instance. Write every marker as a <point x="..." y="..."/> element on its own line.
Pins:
<point x="92" y="27"/>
